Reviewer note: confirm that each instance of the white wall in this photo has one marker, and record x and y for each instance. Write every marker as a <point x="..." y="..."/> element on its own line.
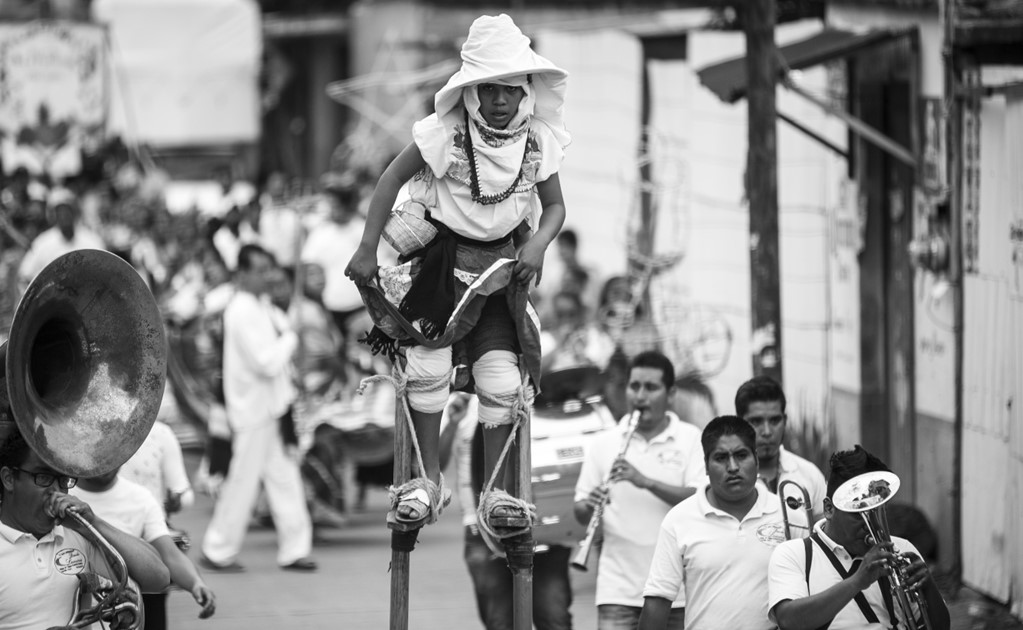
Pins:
<point x="716" y="269"/>
<point x="699" y="146"/>
<point x="602" y="111"/>
<point x="992" y="501"/>
<point x="183" y="71"/>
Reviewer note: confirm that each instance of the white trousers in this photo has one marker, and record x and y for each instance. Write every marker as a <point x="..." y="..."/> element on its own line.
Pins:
<point x="259" y="456"/>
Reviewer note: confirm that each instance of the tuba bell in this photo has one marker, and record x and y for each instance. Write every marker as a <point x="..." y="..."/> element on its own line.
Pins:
<point x="867" y="495"/>
<point x="83" y="375"/>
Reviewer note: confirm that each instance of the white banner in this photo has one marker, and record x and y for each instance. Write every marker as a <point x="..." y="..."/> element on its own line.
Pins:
<point x="53" y="94"/>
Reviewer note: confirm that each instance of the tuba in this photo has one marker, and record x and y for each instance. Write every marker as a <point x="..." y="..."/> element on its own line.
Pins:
<point x="83" y="373"/>
<point x="867" y="495"/>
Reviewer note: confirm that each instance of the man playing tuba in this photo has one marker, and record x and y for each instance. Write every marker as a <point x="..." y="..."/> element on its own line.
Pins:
<point x="42" y="550"/>
<point x="81" y="378"/>
<point x="837" y="579"/>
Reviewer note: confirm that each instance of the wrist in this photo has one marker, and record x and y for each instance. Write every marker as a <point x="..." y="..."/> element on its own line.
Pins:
<point x="542" y="238"/>
<point x="860" y="582"/>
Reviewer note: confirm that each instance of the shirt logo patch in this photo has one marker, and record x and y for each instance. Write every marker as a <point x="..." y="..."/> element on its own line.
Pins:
<point x="671" y="458"/>
<point x="69" y="561"/>
<point x="771" y="534"/>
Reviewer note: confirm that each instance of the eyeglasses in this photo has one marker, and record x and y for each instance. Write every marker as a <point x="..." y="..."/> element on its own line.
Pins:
<point x="45" y="480"/>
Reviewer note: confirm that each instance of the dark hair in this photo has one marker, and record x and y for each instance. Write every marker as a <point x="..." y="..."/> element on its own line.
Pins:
<point x="14" y="452"/>
<point x="656" y="360"/>
<point x="572" y="297"/>
<point x="693" y="382"/>
<point x="248" y="253"/>
<point x="605" y="290"/>
<point x="568" y="237"/>
<point x="605" y="294"/>
<point x="727" y="425"/>
<point x="758" y="389"/>
<point x="347" y="198"/>
<point x="289" y="273"/>
<point x="847" y="464"/>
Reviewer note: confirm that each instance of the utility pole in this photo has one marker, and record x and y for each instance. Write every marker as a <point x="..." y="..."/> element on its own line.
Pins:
<point x="759" y="18"/>
<point x="953" y="114"/>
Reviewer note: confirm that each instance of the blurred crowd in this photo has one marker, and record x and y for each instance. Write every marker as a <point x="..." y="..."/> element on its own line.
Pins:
<point x="188" y="256"/>
<point x="591" y="320"/>
<point x="113" y="204"/>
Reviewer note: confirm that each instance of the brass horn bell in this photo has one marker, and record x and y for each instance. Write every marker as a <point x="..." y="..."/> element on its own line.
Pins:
<point x="86" y="362"/>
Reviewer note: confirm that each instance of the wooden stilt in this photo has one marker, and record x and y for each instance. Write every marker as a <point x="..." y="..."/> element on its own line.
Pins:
<point x="519" y="549"/>
<point x="403" y="538"/>
<point x="401" y="546"/>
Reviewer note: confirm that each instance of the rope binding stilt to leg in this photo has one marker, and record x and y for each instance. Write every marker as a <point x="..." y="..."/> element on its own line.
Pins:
<point x="500" y="515"/>
<point x="433" y="496"/>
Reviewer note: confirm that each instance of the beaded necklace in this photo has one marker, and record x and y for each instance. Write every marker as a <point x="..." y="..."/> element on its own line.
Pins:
<point x="474" y="174"/>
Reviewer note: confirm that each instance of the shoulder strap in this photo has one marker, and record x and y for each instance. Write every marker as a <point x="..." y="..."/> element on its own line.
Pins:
<point x="809" y="562"/>
<point x="886" y="593"/>
<point x="860" y="599"/>
<point x="809" y="558"/>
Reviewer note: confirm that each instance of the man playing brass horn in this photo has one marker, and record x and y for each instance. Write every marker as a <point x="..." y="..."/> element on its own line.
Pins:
<point x="42" y="550"/>
<point x="842" y="585"/>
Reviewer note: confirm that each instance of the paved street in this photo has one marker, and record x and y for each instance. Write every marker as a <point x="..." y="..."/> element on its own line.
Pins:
<point x="351" y="588"/>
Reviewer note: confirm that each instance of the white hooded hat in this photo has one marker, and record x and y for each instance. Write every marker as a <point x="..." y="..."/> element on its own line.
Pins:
<point x="496" y="49"/>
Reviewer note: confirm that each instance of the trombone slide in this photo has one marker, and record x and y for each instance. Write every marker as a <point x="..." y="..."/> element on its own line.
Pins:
<point x="798" y="502"/>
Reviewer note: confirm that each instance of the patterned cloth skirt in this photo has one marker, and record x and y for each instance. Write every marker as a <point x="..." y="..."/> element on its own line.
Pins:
<point x="480" y="272"/>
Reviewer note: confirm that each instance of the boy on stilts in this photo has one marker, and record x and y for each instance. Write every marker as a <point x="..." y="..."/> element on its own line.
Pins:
<point x="483" y="175"/>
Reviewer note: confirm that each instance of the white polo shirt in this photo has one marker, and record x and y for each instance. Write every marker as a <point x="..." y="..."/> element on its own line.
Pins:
<point x="331" y="246"/>
<point x="159" y="466"/>
<point x="37" y="576"/>
<point x="721" y="562"/>
<point x="804" y="472"/>
<point x="787" y="580"/>
<point x="632" y="515"/>
<point x="129" y="507"/>
<point x="258" y="348"/>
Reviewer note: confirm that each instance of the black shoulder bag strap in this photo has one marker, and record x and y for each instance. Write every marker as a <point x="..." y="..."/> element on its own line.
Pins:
<point x="809" y="562"/>
<point x="886" y="592"/>
<point x="860" y="599"/>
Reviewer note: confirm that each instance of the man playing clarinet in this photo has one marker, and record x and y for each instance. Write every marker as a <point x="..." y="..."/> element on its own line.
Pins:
<point x="661" y="465"/>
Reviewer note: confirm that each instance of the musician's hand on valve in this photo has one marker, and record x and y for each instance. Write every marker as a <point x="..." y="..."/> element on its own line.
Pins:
<point x="875" y="564"/>
<point x="916" y="571"/>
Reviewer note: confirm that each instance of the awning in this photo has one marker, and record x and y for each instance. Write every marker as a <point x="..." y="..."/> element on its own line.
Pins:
<point x="727" y="79"/>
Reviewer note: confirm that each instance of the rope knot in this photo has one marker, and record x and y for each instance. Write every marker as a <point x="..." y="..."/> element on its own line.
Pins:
<point x="397" y="379"/>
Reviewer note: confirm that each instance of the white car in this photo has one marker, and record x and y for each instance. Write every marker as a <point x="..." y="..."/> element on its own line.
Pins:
<point x="566" y="417"/>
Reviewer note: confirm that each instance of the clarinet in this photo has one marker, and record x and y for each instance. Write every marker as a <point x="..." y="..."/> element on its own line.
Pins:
<point x="582" y="554"/>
